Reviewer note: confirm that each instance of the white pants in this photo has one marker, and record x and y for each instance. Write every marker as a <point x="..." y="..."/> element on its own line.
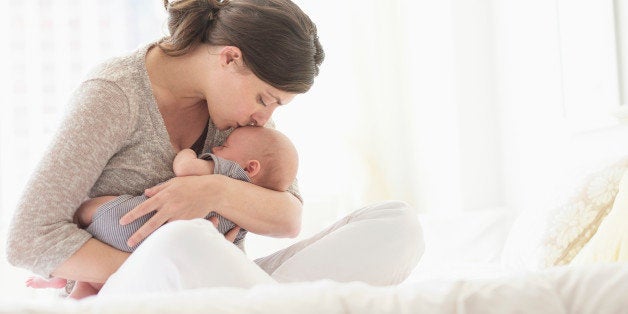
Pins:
<point x="379" y="244"/>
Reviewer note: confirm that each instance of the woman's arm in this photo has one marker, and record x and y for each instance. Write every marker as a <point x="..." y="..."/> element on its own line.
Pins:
<point x="93" y="262"/>
<point x="42" y="235"/>
<point x="260" y="210"/>
<point x="254" y="208"/>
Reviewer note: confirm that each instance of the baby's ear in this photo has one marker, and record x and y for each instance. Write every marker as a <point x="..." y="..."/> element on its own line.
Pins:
<point x="252" y="167"/>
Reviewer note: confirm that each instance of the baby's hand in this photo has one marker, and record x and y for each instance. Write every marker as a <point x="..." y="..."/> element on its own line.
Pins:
<point x="184" y="163"/>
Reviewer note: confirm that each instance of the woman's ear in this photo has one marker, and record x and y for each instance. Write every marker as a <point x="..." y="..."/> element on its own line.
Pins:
<point x="252" y="168"/>
<point x="230" y="55"/>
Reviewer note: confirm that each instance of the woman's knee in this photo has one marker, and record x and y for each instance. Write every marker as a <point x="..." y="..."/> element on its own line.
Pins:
<point x="399" y="214"/>
<point x="394" y="234"/>
<point x="396" y="223"/>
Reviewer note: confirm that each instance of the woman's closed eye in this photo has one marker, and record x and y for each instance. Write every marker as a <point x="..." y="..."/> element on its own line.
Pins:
<point x="261" y="101"/>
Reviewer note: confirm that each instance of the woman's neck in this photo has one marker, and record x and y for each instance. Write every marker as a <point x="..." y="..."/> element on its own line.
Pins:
<point x="182" y="108"/>
<point x="172" y="80"/>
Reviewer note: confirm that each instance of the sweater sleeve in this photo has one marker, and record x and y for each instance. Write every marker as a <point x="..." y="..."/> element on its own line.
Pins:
<point x="42" y="234"/>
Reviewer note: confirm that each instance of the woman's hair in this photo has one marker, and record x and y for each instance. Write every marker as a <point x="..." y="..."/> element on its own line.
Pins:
<point x="278" y="40"/>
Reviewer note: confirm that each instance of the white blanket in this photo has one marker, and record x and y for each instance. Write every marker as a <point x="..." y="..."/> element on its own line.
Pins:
<point x="594" y="289"/>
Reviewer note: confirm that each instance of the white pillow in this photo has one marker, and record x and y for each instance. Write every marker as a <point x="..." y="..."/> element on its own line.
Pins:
<point x="610" y="242"/>
<point x="554" y="235"/>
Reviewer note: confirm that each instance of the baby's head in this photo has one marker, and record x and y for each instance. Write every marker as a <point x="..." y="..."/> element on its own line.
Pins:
<point x="267" y="155"/>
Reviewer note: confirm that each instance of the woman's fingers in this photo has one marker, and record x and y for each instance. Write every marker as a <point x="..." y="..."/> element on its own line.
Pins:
<point x="149" y="227"/>
<point x="135" y="213"/>
<point x="146" y="206"/>
<point x="139" y="211"/>
<point x="154" y="190"/>
<point x="172" y="200"/>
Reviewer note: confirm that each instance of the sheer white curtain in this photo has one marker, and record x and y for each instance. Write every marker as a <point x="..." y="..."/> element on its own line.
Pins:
<point x="456" y="105"/>
<point x="405" y="102"/>
<point x="49" y="46"/>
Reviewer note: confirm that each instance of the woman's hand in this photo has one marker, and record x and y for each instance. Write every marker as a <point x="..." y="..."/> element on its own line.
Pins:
<point x="180" y="198"/>
<point x="254" y="208"/>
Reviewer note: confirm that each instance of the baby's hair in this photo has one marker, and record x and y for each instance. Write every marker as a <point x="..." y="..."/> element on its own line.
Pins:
<point x="279" y="42"/>
<point x="280" y="163"/>
<point x="279" y="160"/>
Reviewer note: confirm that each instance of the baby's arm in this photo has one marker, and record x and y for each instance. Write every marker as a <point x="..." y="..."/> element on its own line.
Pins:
<point x="186" y="163"/>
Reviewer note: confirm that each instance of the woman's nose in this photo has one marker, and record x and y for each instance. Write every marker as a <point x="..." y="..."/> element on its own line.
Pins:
<point x="262" y="117"/>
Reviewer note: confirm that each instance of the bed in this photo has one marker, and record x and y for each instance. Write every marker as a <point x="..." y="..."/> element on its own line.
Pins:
<point x="567" y="258"/>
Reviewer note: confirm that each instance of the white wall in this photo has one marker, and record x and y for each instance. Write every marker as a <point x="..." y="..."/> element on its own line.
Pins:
<point x="529" y="96"/>
<point x="481" y="178"/>
<point x="407" y="92"/>
<point x="556" y="89"/>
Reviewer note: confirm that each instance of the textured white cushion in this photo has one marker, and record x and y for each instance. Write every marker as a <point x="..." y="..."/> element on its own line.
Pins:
<point x="610" y="242"/>
<point x="554" y="235"/>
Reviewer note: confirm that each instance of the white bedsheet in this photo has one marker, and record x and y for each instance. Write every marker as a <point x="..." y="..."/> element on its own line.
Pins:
<point x="598" y="289"/>
<point x="460" y="272"/>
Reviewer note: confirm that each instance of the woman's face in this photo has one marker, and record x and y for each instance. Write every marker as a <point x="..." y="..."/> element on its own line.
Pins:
<point x="238" y="98"/>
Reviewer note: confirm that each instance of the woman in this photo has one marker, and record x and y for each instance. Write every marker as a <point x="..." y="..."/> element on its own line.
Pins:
<point x="226" y="64"/>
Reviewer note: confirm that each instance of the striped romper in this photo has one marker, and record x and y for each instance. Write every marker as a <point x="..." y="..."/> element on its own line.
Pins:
<point x="105" y="226"/>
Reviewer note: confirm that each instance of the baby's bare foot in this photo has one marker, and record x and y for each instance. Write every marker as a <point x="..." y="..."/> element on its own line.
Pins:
<point x="39" y="283"/>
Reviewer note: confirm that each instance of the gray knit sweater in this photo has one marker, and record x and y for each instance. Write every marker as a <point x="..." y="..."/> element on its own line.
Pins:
<point x="112" y="141"/>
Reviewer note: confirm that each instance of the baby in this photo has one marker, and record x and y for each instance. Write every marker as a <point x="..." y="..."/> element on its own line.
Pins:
<point x="259" y="155"/>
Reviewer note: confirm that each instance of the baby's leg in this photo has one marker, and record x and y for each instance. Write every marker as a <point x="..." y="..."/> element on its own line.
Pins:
<point x="225" y="225"/>
<point x="106" y="226"/>
<point x="84" y="289"/>
<point x="39" y="282"/>
<point x="85" y="213"/>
